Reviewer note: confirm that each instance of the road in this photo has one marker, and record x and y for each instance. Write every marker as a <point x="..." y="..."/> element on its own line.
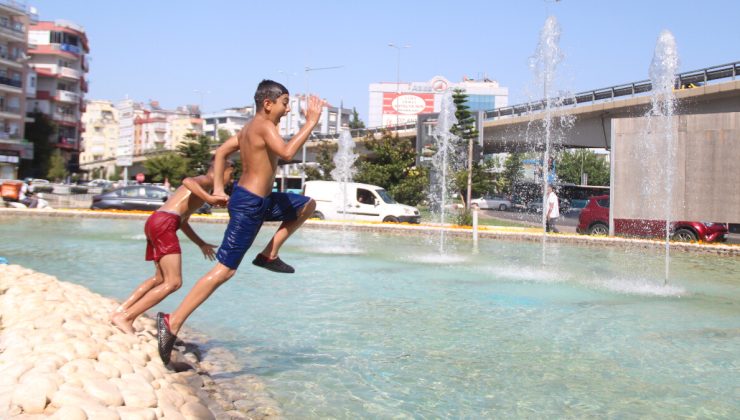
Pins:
<point x="566" y="224"/>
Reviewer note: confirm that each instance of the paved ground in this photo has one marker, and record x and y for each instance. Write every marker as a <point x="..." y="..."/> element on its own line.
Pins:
<point x="564" y="224"/>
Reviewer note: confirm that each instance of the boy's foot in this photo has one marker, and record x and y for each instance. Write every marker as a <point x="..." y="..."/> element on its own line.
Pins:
<point x="120" y="321"/>
<point x="275" y="264"/>
<point x="165" y="338"/>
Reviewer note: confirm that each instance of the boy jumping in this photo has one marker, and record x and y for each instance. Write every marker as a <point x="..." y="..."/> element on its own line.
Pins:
<point x="251" y="203"/>
<point x="163" y="246"/>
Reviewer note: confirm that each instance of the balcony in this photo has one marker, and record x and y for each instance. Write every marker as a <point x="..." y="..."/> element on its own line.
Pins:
<point x="10" y="61"/>
<point x="10" y="82"/>
<point x="67" y="96"/>
<point x="69" y="73"/>
<point x="66" y="118"/>
<point x="13" y="31"/>
<point x="10" y="112"/>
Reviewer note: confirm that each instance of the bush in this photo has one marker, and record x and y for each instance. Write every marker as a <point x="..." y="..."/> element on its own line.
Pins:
<point x="464" y="217"/>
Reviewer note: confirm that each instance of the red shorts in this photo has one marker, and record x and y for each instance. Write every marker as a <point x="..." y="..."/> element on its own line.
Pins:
<point x="161" y="235"/>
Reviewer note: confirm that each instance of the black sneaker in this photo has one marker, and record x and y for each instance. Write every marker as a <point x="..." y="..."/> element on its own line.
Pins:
<point x="277" y="265"/>
<point x="165" y="338"/>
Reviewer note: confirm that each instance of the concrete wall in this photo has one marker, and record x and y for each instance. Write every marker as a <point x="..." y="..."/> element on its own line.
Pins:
<point x="705" y="171"/>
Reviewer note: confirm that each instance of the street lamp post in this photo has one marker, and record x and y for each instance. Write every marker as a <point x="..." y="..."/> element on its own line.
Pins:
<point x="398" y="76"/>
<point x="303" y="149"/>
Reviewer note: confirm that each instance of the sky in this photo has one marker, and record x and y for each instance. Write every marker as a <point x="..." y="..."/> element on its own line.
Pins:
<point x="214" y="53"/>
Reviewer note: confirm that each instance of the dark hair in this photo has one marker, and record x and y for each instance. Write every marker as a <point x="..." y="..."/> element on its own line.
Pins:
<point x="268" y="89"/>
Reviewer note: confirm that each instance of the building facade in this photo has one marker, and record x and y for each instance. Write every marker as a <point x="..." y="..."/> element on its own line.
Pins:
<point x="100" y="139"/>
<point x="401" y="103"/>
<point x="58" y="55"/>
<point x="14" y="23"/>
<point x="230" y="120"/>
<point x="331" y="120"/>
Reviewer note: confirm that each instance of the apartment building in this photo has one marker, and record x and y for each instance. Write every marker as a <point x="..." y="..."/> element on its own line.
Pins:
<point x="58" y="55"/>
<point x="14" y="21"/>
<point x="100" y="138"/>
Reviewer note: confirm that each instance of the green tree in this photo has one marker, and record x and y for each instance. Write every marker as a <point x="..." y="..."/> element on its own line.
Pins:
<point x="390" y="164"/>
<point x="197" y="152"/>
<point x="223" y="135"/>
<point x="513" y="167"/>
<point x="356" y="123"/>
<point x="39" y="132"/>
<point x="573" y="163"/>
<point x="57" y="169"/>
<point x="325" y="158"/>
<point x="465" y="129"/>
<point x="481" y="181"/>
<point x="170" y="166"/>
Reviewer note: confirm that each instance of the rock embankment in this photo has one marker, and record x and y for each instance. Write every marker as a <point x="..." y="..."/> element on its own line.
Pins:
<point x="61" y="358"/>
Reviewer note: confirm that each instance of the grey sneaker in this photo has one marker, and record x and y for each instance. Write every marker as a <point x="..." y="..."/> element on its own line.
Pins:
<point x="277" y="265"/>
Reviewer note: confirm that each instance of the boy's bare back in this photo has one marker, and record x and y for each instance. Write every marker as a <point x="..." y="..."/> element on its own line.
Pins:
<point x="183" y="201"/>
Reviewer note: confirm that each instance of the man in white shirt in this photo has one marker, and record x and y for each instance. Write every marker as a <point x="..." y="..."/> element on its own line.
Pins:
<point x="553" y="210"/>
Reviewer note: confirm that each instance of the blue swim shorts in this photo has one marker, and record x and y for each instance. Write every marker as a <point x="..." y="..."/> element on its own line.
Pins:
<point x="247" y="211"/>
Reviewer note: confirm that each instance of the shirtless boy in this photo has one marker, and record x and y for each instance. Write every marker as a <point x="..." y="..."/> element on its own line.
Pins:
<point x="251" y="203"/>
<point x="163" y="247"/>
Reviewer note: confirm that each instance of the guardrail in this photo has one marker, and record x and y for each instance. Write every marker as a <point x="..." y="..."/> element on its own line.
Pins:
<point x="704" y="76"/>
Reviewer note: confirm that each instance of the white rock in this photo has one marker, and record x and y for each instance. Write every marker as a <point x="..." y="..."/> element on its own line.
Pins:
<point x="196" y="411"/>
<point x="70" y="396"/>
<point x="184" y="390"/>
<point x="99" y="412"/>
<point x="103" y="390"/>
<point x="107" y="370"/>
<point x="31" y="397"/>
<point x="69" y="412"/>
<point x="130" y="413"/>
<point x="134" y="395"/>
<point x="169" y="396"/>
<point x="45" y="384"/>
<point x="9" y="375"/>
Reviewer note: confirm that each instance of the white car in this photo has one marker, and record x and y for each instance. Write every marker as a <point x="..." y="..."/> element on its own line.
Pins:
<point x="493" y="202"/>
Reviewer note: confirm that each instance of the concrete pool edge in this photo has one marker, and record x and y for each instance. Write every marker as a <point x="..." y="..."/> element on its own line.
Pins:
<point x="484" y="232"/>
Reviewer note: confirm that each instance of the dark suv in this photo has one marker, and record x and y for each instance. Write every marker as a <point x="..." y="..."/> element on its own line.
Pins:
<point x="594" y="220"/>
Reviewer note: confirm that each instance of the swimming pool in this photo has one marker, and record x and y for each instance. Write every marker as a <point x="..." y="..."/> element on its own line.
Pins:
<point x="383" y="326"/>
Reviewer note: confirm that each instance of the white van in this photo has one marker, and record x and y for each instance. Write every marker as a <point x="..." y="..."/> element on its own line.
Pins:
<point x="364" y="202"/>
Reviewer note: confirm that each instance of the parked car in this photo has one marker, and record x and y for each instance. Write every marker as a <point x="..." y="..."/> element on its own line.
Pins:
<point x="496" y="202"/>
<point x="135" y="197"/>
<point x="36" y="185"/>
<point x="594" y="220"/>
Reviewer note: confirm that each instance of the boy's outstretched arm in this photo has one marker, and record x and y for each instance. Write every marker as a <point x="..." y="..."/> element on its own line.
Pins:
<point x="286" y="151"/>
<point x="198" y="185"/>
<point x="206" y="248"/>
<point x="219" y="164"/>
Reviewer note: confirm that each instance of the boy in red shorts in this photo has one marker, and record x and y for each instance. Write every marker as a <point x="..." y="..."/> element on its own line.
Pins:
<point x="252" y="202"/>
<point x="163" y="246"/>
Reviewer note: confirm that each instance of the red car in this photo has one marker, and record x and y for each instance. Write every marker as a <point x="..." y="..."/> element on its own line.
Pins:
<point x="594" y="220"/>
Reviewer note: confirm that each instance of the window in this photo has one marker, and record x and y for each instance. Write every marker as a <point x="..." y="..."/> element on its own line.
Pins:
<point x="130" y="192"/>
<point x="155" y="193"/>
<point x="603" y="202"/>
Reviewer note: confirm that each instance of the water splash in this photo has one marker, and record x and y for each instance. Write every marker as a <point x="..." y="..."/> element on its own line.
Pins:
<point x="445" y="162"/>
<point x="663" y="69"/>
<point x="344" y="161"/>
<point x="544" y="64"/>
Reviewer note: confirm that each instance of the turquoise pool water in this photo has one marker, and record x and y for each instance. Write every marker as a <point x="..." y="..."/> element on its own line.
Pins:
<point x="379" y="326"/>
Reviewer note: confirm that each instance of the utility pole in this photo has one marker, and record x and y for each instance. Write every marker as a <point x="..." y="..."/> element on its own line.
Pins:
<point x="398" y="77"/>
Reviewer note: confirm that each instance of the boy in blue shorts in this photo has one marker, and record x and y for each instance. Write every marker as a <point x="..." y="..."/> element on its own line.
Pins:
<point x="252" y="201"/>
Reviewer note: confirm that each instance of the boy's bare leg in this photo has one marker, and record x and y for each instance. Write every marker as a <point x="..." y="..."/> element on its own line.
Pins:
<point x="286" y="229"/>
<point x="198" y="294"/>
<point x="170" y="267"/>
<point x="140" y="291"/>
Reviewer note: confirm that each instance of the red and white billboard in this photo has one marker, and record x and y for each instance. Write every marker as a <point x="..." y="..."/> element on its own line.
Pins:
<point x="407" y="103"/>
